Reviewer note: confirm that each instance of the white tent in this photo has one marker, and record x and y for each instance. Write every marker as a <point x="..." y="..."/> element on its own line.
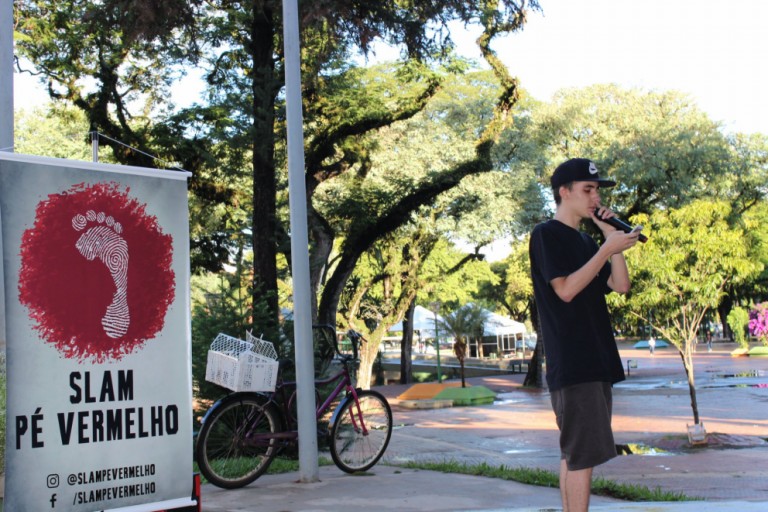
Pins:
<point x="423" y="321"/>
<point x="498" y="325"/>
<point x="501" y="335"/>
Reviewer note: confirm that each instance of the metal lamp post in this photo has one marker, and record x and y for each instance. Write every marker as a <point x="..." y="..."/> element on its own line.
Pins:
<point x="435" y="307"/>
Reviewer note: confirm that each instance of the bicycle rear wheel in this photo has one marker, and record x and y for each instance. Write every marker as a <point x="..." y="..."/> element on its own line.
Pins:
<point x="234" y="447"/>
<point x="359" y="440"/>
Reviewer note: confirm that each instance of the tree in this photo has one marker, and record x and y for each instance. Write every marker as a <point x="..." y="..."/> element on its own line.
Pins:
<point x="381" y="290"/>
<point x="406" y="345"/>
<point x="513" y="288"/>
<point x="465" y="323"/>
<point x="57" y="131"/>
<point x="744" y="175"/>
<point x="682" y="271"/>
<point x="448" y="275"/>
<point x="135" y="49"/>
<point x="363" y="231"/>
<point x="420" y="174"/>
<point x="738" y="320"/>
<point x="661" y="148"/>
<point x="748" y="292"/>
<point x="413" y="262"/>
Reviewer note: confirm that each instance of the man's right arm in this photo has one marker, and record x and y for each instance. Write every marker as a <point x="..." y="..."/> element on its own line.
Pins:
<point x="568" y="287"/>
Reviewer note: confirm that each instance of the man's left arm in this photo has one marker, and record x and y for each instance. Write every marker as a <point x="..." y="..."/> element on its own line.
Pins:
<point x="618" y="281"/>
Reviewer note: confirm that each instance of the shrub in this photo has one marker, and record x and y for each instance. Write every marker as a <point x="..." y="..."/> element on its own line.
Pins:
<point x="738" y="320"/>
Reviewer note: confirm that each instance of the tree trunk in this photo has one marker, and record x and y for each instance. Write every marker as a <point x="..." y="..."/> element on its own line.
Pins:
<point x="688" y="364"/>
<point x="460" y="347"/>
<point x="368" y="353"/>
<point x="322" y="245"/>
<point x="725" y="307"/>
<point x="535" y="375"/>
<point x="329" y="300"/>
<point x="399" y="214"/>
<point x="406" y="346"/>
<point x="264" y="182"/>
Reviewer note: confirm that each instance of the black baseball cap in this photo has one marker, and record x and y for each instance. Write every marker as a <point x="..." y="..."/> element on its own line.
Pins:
<point x="578" y="169"/>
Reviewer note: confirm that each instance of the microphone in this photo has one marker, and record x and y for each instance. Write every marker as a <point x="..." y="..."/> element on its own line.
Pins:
<point x="623" y="226"/>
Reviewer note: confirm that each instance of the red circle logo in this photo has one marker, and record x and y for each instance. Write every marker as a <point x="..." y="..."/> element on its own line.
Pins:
<point x="96" y="272"/>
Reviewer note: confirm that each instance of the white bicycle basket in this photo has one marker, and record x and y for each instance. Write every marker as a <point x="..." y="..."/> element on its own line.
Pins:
<point x="242" y="365"/>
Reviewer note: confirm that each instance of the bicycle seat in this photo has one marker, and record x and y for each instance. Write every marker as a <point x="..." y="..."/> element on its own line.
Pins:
<point x="284" y="363"/>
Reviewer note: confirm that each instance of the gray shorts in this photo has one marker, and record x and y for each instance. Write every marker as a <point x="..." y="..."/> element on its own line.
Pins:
<point x="583" y="413"/>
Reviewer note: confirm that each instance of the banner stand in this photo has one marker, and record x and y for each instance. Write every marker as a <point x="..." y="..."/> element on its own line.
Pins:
<point x="95" y="274"/>
<point x="195" y="504"/>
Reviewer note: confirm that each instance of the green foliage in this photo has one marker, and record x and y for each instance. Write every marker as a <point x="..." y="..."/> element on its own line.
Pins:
<point x="220" y="304"/>
<point x="659" y="146"/>
<point x="636" y="492"/>
<point x="102" y="58"/>
<point x="692" y="255"/>
<point x="512" y="287"/>
<point x="383" y="285"/>
<point x="136" y="50"/>
<point x="411" y="153"/>
<point x="544" y="478"/>
<point x="57" y="131"/>
<point x="755" y="218"/>
<point x="453" y="277"/>
<point x="467" y="321"/>
<point x="738" y="319"/>
<point x="747" y="172"/>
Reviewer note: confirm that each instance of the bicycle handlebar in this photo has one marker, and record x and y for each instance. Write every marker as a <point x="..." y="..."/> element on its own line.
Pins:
<point x="355" y="339"/>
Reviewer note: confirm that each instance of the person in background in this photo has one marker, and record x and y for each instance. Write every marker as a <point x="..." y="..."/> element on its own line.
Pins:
<point x="571" y="276"/>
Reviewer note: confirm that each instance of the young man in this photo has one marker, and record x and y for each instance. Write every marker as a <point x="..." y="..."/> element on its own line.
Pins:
<point x="571" y="276"/>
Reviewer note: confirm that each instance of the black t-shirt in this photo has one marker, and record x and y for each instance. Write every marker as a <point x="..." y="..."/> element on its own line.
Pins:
<point x="578" y="338"/>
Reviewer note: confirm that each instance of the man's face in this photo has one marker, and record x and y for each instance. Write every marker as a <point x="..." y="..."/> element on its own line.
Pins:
<point x="583" y="198"/>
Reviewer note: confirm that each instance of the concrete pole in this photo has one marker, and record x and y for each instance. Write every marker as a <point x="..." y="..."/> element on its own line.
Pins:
<point x="6" y="121"/>
<point x="6" y="75"/>
<point x="435" y="308"/>
<point x="297" y="202"/>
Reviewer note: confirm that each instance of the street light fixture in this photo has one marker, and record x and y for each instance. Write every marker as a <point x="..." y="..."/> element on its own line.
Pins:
<point x="435" y="307"/>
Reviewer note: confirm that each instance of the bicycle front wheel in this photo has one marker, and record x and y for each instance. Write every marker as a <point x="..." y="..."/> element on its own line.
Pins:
<point x="237" y="443"/>
<point x="360" y="436"/>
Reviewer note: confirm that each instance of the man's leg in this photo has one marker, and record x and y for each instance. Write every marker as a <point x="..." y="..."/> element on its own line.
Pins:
<point x="575" y="488"/>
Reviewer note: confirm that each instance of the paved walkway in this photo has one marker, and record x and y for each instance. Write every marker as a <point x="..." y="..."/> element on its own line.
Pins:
<point x="651" y="410"/>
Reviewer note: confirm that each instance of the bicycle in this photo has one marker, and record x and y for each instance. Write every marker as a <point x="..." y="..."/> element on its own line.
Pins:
<point x="243" y="432"/>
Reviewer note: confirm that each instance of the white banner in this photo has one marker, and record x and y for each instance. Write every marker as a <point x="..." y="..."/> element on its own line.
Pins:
<point x="96" y="267"/>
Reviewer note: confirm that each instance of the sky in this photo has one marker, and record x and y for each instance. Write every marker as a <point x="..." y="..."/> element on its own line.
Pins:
<point x="715" y="51"/>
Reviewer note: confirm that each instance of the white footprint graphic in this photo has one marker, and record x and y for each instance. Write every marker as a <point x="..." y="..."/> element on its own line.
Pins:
<point x="102" y="240"/>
